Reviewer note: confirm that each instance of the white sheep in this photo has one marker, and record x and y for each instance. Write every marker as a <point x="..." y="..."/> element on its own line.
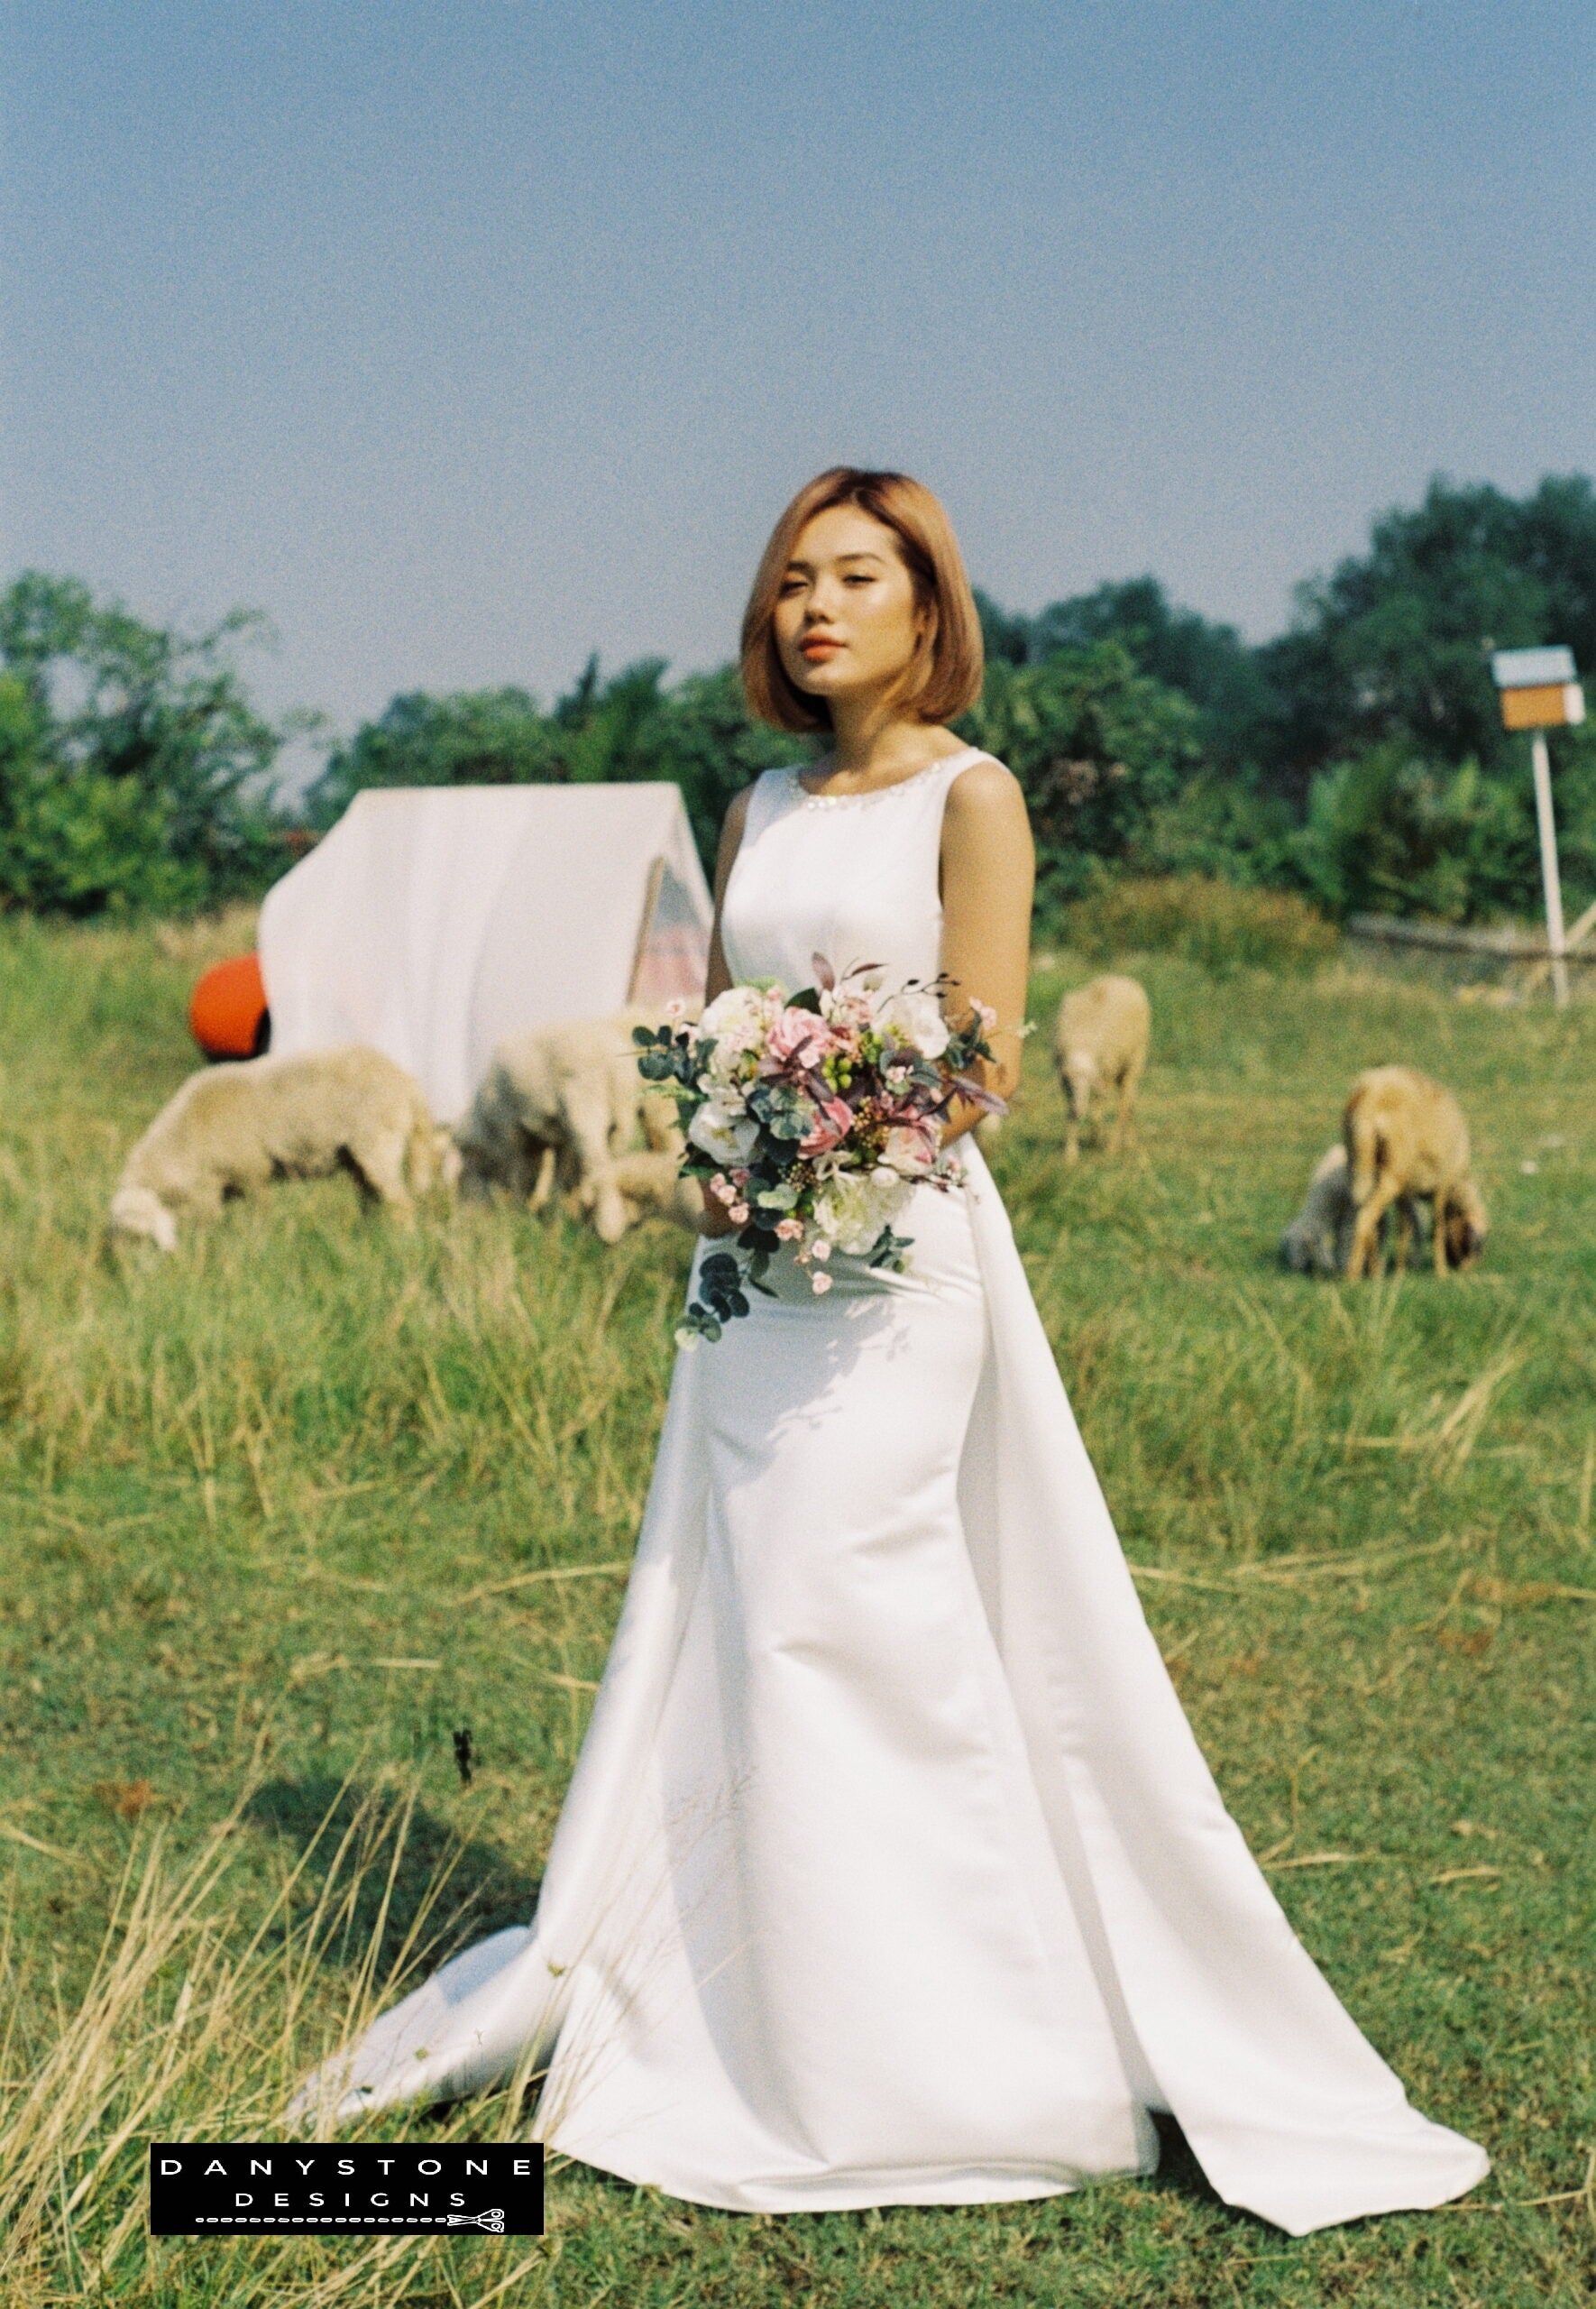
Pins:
<point x="1319" y="1239"/>
<point x="1320" y="1236"/>
<point x="232" y="1128"/>
<point x="560" y="1104"/>
<point x="1100" y="1045"/>
<point x="652" y="1187"/>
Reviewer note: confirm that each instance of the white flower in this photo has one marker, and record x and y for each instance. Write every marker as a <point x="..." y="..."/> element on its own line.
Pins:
<point x="915" y="1017"/>
<point x="912" y="1153"/>
<point x="854" y="1207"/>
<point x="736" y="1023"/>
<point x="819" y="1283"/>
<point x="725" y="1133"/>
<point x="738" y="1019"/>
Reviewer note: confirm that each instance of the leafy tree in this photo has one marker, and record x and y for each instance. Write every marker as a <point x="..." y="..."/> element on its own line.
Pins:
<point x="484" y="737"/>
<point x="1395" y="645"/>
<point x="1099" y="747"/>
<point x="705" y="739"/>
<point x="1223" y="829"/>
<point x="1208" y="664"/>
<point x="1385" y="831"/>
<point x="1006" y="633"/>
<point x="627" y="728"/>
<point x="1359" y="756"/>
<point x="1388" y="832"/>
<point x="608" y="730"/>
<point x="133" y="769"/>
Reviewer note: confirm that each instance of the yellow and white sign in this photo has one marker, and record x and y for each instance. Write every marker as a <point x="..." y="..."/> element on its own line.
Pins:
<point x="1539" y="689"/>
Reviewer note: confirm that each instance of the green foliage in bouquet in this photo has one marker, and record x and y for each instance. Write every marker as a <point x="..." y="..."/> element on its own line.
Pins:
<point x="812" y="1123"/>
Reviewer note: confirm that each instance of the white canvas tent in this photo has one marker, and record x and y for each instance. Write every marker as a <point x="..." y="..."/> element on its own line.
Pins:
<point x="431" y="920"/>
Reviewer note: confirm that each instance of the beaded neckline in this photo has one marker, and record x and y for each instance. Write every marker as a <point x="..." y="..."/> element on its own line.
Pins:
<point x="809" y="801"/>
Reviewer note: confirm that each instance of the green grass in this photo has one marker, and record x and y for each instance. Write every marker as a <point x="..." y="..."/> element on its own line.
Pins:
<point x="238" y="1486"/>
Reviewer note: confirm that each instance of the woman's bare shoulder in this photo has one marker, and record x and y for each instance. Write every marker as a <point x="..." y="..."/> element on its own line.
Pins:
<point x="986" y="795"/>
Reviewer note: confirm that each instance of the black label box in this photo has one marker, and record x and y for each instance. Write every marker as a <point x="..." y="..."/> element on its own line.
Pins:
<point x="312" y="2188"/>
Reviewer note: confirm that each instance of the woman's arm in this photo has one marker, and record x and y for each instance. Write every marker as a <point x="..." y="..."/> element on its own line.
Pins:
<point x="731" y="838"/>
<point x="715" y="1221"/>
<point x="988" y="878"/>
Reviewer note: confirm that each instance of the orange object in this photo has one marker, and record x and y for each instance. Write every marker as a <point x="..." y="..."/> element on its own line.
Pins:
<point x="1548" y="705"/>
<point x="227" y="1014"/>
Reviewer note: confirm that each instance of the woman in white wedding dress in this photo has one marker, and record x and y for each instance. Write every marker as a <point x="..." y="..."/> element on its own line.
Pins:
<point x="890" y="1871"/>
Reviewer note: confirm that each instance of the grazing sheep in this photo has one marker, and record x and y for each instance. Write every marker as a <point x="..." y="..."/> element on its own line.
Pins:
<point x="1319" y="1239"/>
<point x="1099" y="1046"/>
<point x="559" y="1104"/>
<point x="232" y="1128"/>
<point x="1407" y="1141"/>
<point x="651" y="1187"/>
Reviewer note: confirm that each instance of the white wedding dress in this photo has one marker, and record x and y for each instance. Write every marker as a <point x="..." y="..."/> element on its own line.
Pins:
<point x="890" y="1871"/>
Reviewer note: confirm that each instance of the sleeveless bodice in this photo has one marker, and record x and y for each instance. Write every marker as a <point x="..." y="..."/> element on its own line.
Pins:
<point x="853" y="877"/>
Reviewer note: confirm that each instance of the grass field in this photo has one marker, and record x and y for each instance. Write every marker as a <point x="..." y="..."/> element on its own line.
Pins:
<point x="282" y="1514"/>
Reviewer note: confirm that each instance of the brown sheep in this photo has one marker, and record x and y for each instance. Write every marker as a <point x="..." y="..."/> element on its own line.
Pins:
<point x="1100" y="1045"/>
<point x="1406" y="1140"/>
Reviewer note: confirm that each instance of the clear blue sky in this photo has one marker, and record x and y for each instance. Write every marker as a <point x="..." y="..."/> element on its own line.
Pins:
<point x="464" y="336"/>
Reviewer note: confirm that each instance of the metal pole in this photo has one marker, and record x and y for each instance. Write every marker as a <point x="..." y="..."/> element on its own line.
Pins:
<point x="1541" y="764"/>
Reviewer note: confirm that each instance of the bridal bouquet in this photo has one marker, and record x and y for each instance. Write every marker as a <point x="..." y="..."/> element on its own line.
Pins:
<point x="813" y="1117"/>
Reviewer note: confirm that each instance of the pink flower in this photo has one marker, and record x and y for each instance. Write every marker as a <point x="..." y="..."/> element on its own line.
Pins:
<point x="821" y="1250"/>
<point x="911" y="1148"/>
<point x="819" y="1284"/>
<point x="721" y="1188"/>
<point x="789" y="1230"/>
<point x="737" y="1212"/>
<point x="832" y="1122"/>
<point x="797" y="1040"/>
<point x="848" y="1014"/>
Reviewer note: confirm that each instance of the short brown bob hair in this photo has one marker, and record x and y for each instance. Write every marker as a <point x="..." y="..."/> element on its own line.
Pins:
<point x="944" y="677"/>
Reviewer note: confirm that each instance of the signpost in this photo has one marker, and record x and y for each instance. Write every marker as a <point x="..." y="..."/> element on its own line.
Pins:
<point x="1540" y="691"/>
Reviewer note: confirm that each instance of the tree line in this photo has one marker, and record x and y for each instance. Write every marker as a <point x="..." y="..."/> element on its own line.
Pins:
<point x="1357" y="758"/>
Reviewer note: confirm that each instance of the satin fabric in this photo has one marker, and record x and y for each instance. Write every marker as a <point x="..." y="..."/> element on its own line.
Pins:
<point x="890" y="1871"/>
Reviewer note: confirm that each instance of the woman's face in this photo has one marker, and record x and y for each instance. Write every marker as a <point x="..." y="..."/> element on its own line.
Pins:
<point x="846" y="623"/>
